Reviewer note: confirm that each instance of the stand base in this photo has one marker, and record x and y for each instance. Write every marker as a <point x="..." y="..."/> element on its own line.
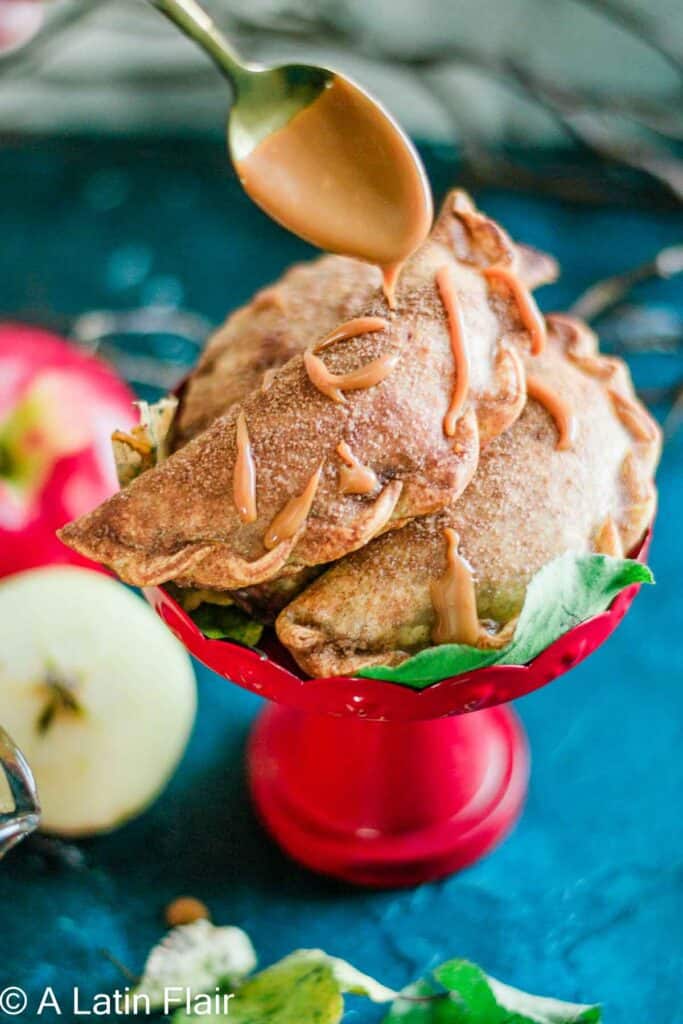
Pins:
<point x="388" y="804"/>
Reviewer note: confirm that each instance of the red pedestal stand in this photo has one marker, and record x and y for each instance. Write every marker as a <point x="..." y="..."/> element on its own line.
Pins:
<point x="387" y="805"/>
<point x="375" y="782"/>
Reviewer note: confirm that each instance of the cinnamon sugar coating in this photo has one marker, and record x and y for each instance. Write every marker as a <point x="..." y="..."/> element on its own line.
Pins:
<point x="179" y="519"/>
<point x="528" y="503"/>
<point x="573" y="472"/>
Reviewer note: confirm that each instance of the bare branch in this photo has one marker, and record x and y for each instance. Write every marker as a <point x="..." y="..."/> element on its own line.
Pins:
<point x="641" y="25"/>
<point x="605" y="294"/>
<point x="674" y="417"/>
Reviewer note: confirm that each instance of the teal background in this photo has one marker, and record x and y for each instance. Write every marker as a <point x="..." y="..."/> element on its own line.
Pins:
<point x="585" y="900"/>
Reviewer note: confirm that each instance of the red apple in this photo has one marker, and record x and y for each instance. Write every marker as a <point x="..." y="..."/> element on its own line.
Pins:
<point x="58" y="408"/>
<point x="19" y="22"/>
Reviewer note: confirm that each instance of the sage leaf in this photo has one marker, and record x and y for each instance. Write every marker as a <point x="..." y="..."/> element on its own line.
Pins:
<point x="307" y="987"/>
<point x="565" y="592"/>
<point x="459" y="992"/>
<point x="296" y="989"/>
<point x="221" y="622"/>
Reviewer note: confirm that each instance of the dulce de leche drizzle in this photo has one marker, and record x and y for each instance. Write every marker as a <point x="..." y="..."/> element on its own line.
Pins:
<point x="354" y="477"/>
<point x="454" y="599"/>
<point x="244" y="478"/>
<point x="137" y="443"/>
<point x="601" y="367"/>
<point x="608" y="539"/>
<point x="633" y="416"/>
<point x="447" y="291"/>
<point x="565" y="420"/>
<point x="342" y="175"/>
<point x="334" y="384"/>
<point x="352" y="329"/>
<point x="528" y="310"/>
<point x="292" y="517"/>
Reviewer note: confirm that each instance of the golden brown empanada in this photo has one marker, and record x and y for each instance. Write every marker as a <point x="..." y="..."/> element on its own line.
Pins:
<point x="280" y="321"/>
<point x="574" y="473"/>
<point x="387" y="395"/>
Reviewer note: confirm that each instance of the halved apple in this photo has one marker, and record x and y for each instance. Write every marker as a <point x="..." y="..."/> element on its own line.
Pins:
<point x="96" y="692"/>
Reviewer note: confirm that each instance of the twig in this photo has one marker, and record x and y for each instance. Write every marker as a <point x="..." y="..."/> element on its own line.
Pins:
<point x="674" y="417"/>
<point x="125" y="971"/>
<point x="93" y="327"/>
<point x="434" y="997"/>
<point x="638" y="24"/>
<point x="664" y="167"/>
<point x="55" y="852"/>
<point x="659" y="395"/>
<point x="484" y="167"/>
<point x="584" y="128"/>
<point x="652" y="343"/>
<point x="605" y="294"/>
<point x="144" y="370"/>
<point x="568" y="108"/>
<point x="574" y="110"/>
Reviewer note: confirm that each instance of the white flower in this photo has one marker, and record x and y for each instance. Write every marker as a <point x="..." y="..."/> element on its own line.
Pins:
<point x="196" y="957"/>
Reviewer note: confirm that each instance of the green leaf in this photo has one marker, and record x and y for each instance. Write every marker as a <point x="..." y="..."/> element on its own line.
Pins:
<point x="470" y="984"/>
<point x="196" y="957"/>
<point x="567" y="591"/>
<point x="463" y="994"/>
<point x="424" y="1003"/>
<point x="306" y="986"/>
<point x="301" y="988"/>
<point x="227" y="622"/>
<point x="433" y="664"/>
<point x="352" y="980"/>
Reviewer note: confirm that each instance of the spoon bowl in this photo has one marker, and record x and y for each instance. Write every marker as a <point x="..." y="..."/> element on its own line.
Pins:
<point x="319" y="154"/>
<point x="266" y="99"/>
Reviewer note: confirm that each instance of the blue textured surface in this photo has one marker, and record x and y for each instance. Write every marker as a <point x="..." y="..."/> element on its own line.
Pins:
<point x="585" y="900"/>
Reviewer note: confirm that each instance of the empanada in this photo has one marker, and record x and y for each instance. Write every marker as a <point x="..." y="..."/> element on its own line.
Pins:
<point x="258" y="494"/>
<point x="574" y="473"/>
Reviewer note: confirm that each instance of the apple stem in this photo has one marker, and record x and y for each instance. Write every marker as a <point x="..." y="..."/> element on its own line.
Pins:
<point x="432" y="998"/>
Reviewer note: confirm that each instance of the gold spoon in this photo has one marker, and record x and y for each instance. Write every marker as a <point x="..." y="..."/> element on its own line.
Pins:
<point x="318" y="154"/>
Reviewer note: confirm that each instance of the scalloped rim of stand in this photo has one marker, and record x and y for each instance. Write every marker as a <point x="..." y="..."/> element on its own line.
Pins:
<point x="381" y="700"/>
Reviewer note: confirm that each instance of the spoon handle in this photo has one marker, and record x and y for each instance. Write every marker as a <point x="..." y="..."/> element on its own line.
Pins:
<point x="195" y="22"/>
